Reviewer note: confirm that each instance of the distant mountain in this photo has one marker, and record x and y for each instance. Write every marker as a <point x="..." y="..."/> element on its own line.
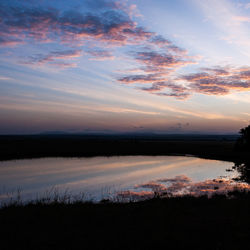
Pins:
<point x="56" y="132"/>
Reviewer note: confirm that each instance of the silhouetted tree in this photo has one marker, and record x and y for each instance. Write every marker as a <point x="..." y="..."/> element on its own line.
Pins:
<point x="243" y="170"/>
<point x="243" y="142"/>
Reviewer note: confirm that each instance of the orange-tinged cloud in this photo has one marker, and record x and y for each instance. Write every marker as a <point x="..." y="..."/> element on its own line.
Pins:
<point x="219" y="81"/>
<point x="55" y="58"/>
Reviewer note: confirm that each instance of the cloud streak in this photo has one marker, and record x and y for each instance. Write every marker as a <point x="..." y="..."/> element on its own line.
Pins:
<point x="46" y="24"/>
<point x="98" y="31"/>
<point x="108" y="25"/>
<point x="158" y="62"/>
<point x="55" y="58"/>
<point x="219" y="81"/>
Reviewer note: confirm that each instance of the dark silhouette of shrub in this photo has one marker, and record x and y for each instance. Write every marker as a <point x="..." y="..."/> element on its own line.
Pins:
<point x="243" y="168"/>
<point x="243" y="143"/>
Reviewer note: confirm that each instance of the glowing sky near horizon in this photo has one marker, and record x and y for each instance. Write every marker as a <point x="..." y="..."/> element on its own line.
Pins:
<point x="124" y="66"/>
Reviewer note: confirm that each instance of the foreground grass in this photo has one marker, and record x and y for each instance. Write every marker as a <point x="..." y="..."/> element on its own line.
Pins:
<point x="171" y="223"/>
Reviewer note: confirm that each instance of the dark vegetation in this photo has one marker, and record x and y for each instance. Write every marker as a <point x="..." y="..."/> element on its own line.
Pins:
<point x="243" y="143"/>
<point x="171" y="223"/>
<point x="221" y="222"/>
<point x="213" y="147"/>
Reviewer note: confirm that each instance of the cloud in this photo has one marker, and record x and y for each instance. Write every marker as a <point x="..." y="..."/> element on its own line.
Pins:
<point x="145" y="78"/>
<point x="10" y="41"/>
<point x="157" y="66"/>
<point x="43" y="24"/>
<point x="158" y="86"/>
<point x="64" y="65"/>
<point x="218" y="81"/>
<point x="247" y="5"/>
<point x="5" y="78"/>
<point x="160" y="41"/>
<point x="231" y="26"/>
<point x="178" y="91"/>
<point x="100" y="4"/>
<point x="55" y="58"/>
<point x="219" y="71"/>
<point x="161" y="60"/>
<point x="95" y="23"/>
<point x="100" y="54"/>
<point x="100" y="27"/>
<point x="101" y="24"/>
<point x="241" y="18"/>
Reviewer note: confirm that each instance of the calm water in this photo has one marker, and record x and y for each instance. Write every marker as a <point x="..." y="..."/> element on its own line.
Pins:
<point x="102" y="177"/>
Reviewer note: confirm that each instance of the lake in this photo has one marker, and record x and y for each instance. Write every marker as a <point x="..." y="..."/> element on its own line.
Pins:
<point x="123" y="177"/>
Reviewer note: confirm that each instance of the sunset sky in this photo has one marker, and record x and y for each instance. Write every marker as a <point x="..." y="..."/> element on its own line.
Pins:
<point x="156" y="66"/>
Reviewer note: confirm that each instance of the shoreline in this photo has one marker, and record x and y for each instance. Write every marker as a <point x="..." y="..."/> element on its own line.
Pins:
<point x="157" y="223"/>
<point x="172" y="223"/>
<point x="14" y="148"/>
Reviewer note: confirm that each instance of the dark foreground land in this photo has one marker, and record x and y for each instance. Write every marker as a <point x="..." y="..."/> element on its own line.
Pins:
<point x="34" y="146"/>
<point x="171" y="223"/>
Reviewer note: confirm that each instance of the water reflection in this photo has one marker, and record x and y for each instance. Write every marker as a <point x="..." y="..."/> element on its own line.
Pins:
<point x="182" y="185"/>
<point x="102" y="177"/>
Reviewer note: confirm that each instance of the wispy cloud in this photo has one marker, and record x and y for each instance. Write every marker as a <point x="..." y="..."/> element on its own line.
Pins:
<point x="9" y="41"/>
<point x="107" y="25"/>
<point x="219" y="81"/>
<point x="100" y="54"/>
<point x="5" y="78"/>
<point x="111" y="25"/>
<point x="241" y="18"/>
<point x="229" y="21"/>
<point x="103" y="26"/>
<point x="104" y="23"/>
<point x="55" y="58"/>
<point x="158" y="61"/>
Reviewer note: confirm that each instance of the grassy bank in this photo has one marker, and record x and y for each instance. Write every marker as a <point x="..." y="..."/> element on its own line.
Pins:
<point x="172" y="223"/>
<point x="211" y="147"/>
<point x="169" y="223"/>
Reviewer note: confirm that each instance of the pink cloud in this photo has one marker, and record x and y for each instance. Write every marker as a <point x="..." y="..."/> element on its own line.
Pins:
<point x="55" y="58"/>
<point x="99" y="54"/>
<point x="158" y="61"/>
<point x="241" y="18"/>
<point x="162" y="60"/>
<point x="180" y="96"/>
<point x="219" y="81"/>
<point x="9" y="41"/>
<point x="177" y="91"/>
<point x="160" y="41"/>
<point x="145" y="78"/>
<point x="49" y="24"/>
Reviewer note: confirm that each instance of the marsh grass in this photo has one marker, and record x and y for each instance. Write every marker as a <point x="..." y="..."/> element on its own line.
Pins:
<point x="54" y="195"/>
<point x="60" y="220"/>
<point x="65" y="197"/>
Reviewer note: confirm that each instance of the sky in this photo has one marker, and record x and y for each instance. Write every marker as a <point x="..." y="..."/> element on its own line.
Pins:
<point x="144" y="66"/>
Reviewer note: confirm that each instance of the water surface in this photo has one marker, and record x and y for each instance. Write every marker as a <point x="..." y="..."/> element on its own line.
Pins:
<point x="102" y="177"/>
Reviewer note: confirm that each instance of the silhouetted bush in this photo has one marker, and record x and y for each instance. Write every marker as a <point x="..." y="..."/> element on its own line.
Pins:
<point x="243" y="143"/>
